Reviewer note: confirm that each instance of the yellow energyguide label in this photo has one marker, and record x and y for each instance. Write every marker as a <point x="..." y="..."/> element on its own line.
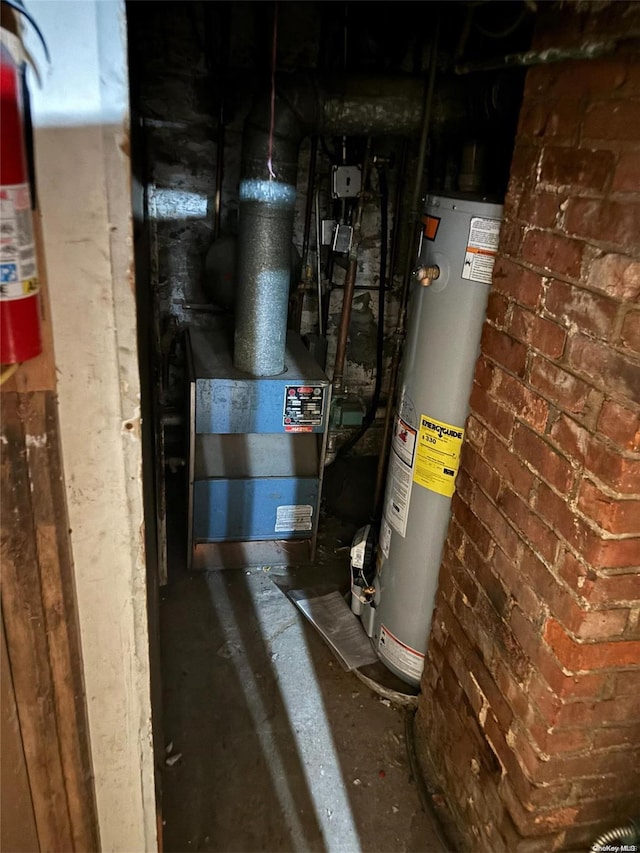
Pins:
<point x="438" y="455"/>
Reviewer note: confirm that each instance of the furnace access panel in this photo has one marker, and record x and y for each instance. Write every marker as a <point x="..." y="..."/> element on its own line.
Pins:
<point x="256" y="454"/>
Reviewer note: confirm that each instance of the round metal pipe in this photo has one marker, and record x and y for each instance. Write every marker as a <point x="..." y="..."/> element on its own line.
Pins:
<point x="364" y="105"/>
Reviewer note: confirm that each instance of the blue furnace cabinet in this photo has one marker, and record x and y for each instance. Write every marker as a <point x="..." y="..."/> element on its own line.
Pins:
<point x="256" y="455"/>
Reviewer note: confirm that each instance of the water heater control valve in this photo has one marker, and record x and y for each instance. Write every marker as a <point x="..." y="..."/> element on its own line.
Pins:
<point x="427" y="275"/>
<point x="363" y="551"/>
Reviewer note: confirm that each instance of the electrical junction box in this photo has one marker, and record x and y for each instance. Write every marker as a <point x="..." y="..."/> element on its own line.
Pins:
<point x="256" y="455"/>
<point x="346" y="181"/>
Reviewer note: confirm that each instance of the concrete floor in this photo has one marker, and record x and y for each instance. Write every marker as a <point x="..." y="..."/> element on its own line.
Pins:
<point x="272" y="746"/>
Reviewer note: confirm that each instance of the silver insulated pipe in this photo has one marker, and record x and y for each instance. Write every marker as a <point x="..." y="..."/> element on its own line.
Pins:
<point x="356" y="106"/>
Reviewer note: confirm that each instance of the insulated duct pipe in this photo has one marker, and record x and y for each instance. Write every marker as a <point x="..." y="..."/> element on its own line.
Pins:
<point x="353" y="106"/>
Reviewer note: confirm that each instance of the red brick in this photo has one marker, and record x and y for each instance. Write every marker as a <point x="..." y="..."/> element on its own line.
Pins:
<point x="560" y="255"/>
<point x="501" y="531"/>
<point x="558" y="742"/>
<point x="479" y="471"/>
<point x="522" y="786"/>
<point x="574" y="440"/>
<point x="559" y="386"/>
<point x="612" y="371"/>
<point x="612" y="119"/>
<point x="604" y="221"/>
<point x="487" y="685"/>
<point x="476" y="433"/>
<point x="558" y="119"/>
<point x="470" y="523"/>
<point x="540" y="209"/>
<point x="621" y="425"/>
<point x="613" y="553"/>
<point x="630" y="334"/>
<point x="526" y="633"/>
<point x="524" y="162"/>
<point x="541" y="334"/>
<point x="489" y="581"/>
<point x="524" y="403"/>
<point x="616" y="736"/>
<point x="564" y="520"/>
<point x="589" y="77"/>
<point x="533" y="118"/>
<point x="615" y="516"/>
<point x="607" y="786"/>
<point x="627" y="174"/>
<point x="589" y="311"/>
<point x="551" y="467"/>
<point x="541" y="538"/>
<point x="511" y="236"/>
<point x="627" y="683"/>
<point x="536" y="822"/>
<point x="486" y="408"/>
<point x="568" y="767"/>
<point x="503" y="349"/>
<point x="620" y="473"/>
<point x="582" y="169"/>
<point x="595" y="714"/>
<point x="517" y="282"/>
<point x="616" y="275"/>
<point x="497" y="308"/>
<point x="461" y="578"/>
<point x="550" y="688"/>
<point x="591" y="625"/>
<point x="508" y="465"/>
<point x="589" y="656"/>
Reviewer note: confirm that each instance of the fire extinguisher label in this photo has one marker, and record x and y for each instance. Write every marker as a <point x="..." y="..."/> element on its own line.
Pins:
<point x="18" y="271"/>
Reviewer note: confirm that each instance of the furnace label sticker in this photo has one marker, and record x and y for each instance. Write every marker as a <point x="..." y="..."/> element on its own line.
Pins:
<point x="294" y="517"/>
<point x="303" y="407"/>
<point x="482" y="247"/>
<point x="400" y="655"/>
<point x="438" y="455"/>
<point x="398" y="494"/>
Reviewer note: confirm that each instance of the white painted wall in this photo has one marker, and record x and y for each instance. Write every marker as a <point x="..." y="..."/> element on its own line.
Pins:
<point x="81" y="115"/>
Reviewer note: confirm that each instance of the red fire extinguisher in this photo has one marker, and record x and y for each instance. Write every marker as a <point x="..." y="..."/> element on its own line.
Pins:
<point x="19" y="284"/>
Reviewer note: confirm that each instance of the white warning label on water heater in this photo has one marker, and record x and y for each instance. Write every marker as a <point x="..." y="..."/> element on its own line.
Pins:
<point x="293" y="517"/>
<point x="400" y="655"/>
<point x="482" y="247"/>
<point x="398" y="494"/>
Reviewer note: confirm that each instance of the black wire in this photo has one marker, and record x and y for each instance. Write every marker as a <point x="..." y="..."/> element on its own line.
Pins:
<point x="384" y="239"/>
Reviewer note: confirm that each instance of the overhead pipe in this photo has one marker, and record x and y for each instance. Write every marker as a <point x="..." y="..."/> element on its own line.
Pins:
<point x="353" y="106"/>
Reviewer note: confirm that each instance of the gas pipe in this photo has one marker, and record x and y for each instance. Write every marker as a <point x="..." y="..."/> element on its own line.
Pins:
<point x="19" y="285"/>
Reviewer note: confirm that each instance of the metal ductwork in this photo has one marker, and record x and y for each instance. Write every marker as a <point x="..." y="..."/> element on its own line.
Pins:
<point x="350" y="106"/>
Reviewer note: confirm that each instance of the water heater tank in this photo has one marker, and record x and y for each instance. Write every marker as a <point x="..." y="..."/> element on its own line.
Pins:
<point x="460" y="237"/>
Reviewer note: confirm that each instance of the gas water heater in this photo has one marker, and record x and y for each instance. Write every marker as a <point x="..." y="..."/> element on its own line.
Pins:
<point x="460" y="238"/>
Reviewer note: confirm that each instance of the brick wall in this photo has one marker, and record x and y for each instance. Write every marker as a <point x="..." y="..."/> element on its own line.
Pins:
<point x="530" y="711"/>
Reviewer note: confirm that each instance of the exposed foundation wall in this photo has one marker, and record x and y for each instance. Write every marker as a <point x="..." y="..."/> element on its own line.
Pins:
<point x="529" y="711"/>
<point x="83" y="178"/>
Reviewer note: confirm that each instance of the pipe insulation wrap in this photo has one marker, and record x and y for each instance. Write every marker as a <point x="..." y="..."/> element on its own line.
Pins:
<point x="358" y="106"/>
<point x="264" y="269"/>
